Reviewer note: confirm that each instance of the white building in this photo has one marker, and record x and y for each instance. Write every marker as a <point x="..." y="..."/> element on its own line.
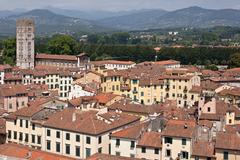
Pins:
<point x="80" y="90"/>
<point x="177" y="139"/>
<point x="69" y="132"/>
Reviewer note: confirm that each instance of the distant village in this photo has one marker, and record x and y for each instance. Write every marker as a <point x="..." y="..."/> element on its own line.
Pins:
<point x="69" y="107"/>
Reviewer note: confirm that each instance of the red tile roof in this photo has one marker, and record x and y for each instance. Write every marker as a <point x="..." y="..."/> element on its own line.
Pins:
<point x="104" y="98"/>
<point x="98" y="63"/>
<point x="132" y="132"/>
<point x="151" y="139"/>
<point x="167" y="62"/>
<point x="56" y="57"/>
<point x="228" y="141"/>
<point x="22" y="152"/>
<point x="203" y="149"/>
<point x="89" y="122"/>
<point x="180" y="128"/>
<point x="12" y="90"/>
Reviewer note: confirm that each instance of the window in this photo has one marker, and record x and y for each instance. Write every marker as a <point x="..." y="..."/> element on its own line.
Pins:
<point x="134" y="81"/>
<point x="156" y="151"/>
<point x="57" y="147"/>
<point x="132" y="144"/>
<point x="15" y="135"/>
<point x="9" y="134"/>
<point x="15" y="122"/>
<point x="88" y="152"/>
<point x="77" y="138"/>
<point x="77" y="151"/>
<point x="184" y="155"/>
<point x="48" y="133"/>
<point x="209" y="109"/>
<point x="26" y="124"/>
<point x="142" y="93"/>
<point x="38" y="139"/>
<point x="21" y="122"/>
<point x="117" y="142"/>
<point x="100" y="150"/>
<point x="168" y="140"/>
<point x="33" y="138"/>
<point x="225" y="155"/>
<point x="20" y="136"/>
<point x="33" y="126"/>
<point x="67" y="136"/>
<point x="196" y="158"/>
<point x="168" y="153"/>
<point x="99" y="140"/>
<point x="26" y="137"/>
<point x="48" y="145"/>
<point x="88" y="140"/>
<point x="118" y="154"/>
<point x="230" y="121"/>
<point x="143" y="150"/>
<point x="57" y="134"/>
<point x="184" y="141"/>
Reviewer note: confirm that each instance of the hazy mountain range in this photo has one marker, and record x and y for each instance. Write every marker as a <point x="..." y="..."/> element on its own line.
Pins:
<point x="54" y="20"/>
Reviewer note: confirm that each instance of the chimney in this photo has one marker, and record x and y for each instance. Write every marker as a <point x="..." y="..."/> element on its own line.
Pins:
<point x="185" y="126"/>
<point x="74" y="117"/>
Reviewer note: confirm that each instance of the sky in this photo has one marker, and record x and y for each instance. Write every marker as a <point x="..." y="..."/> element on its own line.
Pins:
<point x="118" y="5"/>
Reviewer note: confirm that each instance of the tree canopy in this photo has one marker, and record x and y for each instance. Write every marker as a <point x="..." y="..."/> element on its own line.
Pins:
<point x="62" y="44"/>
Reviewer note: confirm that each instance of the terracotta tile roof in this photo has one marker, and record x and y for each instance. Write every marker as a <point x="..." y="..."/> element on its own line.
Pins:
<point x="167" y="62"/>
<point x="206" y="123"/>
<point x="150" y="139"/>
<point x="196" y="89"/>
<point x="136" y="108"/>
<point x="56" y="57"/>
<point x="2" y="126"/>
<point x="232" y="128"/>
<point x="232" y="72"/>
<point x="210" y="73"/>
<point x="228" y="141"/>
<point x="99" y="156"/>
<point x="19" y="151"/>
<point x="230" y="92"/>
<point x="224" y="79"/>
<point x="209" y="85"/>
<point x="104" y="98"/>
<point x="147" y="81"/>
<point x="210" y="117"/>
<point x="32" y="108"/>
<point x="88" y="122"/>
<point x="180" y="128"/>
<point x="12" y="90"/>
<point x="98" y="63"/>
<point x="132" y="132"/>
<point x="203" y="149"/>
<point x="4" y="67"/>
<point x="78" y="101"/>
